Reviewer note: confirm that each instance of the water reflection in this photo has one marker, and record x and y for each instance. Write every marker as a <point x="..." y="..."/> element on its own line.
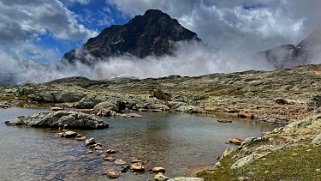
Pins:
<point x="174" y="141"/>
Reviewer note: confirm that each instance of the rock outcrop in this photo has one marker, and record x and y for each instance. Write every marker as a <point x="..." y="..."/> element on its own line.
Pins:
<point x="59" y="119"/>
<point x="154" y="33"/>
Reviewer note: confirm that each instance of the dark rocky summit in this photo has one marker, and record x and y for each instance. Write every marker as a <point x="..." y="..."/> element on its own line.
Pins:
<point x="287" y="56"/>
<point x="154" y="33"/>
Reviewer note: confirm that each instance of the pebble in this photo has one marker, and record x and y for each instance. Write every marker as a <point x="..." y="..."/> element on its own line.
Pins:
<point x="137" y="167"/>
<point x="158" y="169"/>
<point x="109" y="159"/>
<point x="112" y="174"/>
<point x="90" y="141"/>
<point x="120" y="162"/>
<point x="110" y="151"/>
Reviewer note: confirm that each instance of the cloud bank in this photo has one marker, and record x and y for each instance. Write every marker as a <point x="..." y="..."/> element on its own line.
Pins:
<point x="190" y="59"/>
<point x="232" y="30"/>
<point x="255" y="25"/>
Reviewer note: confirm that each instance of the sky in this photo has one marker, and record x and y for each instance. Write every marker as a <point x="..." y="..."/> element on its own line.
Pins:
<point x="43" y="30"/>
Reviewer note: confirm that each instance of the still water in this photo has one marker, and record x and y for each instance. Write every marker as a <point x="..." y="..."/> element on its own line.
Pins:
<point x="174" y="141"/>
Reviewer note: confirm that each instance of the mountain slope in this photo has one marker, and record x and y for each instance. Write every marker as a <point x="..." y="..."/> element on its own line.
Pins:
<point x="154" y="33"/>
<point x="286" y="56"/>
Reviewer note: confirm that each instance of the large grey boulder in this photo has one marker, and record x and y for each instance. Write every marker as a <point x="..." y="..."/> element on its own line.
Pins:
<point x="65" y="119"/>
<point x="57" y="96"/>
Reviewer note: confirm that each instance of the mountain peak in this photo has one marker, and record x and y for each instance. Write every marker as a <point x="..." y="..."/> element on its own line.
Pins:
<point x="151" y="34"/>
<point x="154" y="12"/>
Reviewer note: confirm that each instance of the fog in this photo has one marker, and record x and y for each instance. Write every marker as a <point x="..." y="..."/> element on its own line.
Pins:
<point x="190" y="59"/>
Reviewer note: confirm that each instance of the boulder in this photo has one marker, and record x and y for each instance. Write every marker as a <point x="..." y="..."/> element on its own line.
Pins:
<point x="80" y="138"/>
<point x="120" y="162"/>
<point x="248" y="159"/>
<point x="317" y="139"/>
<point x="189" y="109"/>
<point x="58" y="135"/>
<point x="175" y="105"/>
<point x="160" y="177"/>
<point x="227" y="152"/>
<point x="65" y="119"/>
<point x="158" y="169"/>
<point x="159" y="94"/>
<point x="88" y="102"/>
<point x="112" y="174"/>
<point x="60" y="96"/>
<point x="69" y="134"/>
<point x="244" y="115"/>
<point x="105" y="106"/>
<point x="236" y="141"/>
<point x="90" y="141"/>
<point x="137" y="167"/>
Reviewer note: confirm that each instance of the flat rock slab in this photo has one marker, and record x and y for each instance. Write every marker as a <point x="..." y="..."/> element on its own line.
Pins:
<point x="63" y="119"/>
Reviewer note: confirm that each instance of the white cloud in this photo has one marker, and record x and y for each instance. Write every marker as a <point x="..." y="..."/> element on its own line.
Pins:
<point x="23" y="22"/>
<point x="83" y="2"/>
<point x="250" y="24"/>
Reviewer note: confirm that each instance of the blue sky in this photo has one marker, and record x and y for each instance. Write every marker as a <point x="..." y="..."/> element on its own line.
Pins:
<point x="95" y="15"/>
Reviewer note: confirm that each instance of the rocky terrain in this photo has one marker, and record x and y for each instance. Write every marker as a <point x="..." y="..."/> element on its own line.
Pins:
<point x="154" y="33"/>
<point x="287" y="153"/>
<point x="288" y="97"/>
<point x="275" y="97"/>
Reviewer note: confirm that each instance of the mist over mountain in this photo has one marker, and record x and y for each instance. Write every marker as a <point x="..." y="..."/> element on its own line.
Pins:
<point x="152" y="34"/>
<point x="306" y="52"/>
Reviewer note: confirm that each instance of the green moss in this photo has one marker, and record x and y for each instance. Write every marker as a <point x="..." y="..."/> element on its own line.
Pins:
<point x="224" y="173"/>
<point x="292" y="163"/>
<point x="6" y="98"/>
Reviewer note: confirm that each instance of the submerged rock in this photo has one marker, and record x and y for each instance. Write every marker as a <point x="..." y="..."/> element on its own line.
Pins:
<point x="109" y="159"/>
<point x="160" y="177"/>
<point x="120" y="162"/>
<point x="65" y="119"/>
<point x="137" y="167"/>
<point x="112" y="174"/>
<point x="69" y="134"/>
<point x="158" y="169"/>
<point x="224" y="121"/>
<point x="90" y="141"/>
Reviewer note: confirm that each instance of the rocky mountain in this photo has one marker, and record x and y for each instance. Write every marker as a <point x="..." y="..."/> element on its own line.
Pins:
<point x="286" y="56"/>
<point x="154" y="33"/>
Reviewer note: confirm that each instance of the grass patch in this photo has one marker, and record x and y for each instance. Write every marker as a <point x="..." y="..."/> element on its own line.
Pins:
<point x="292" y="163"/>
<point x="6" y="98"/>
